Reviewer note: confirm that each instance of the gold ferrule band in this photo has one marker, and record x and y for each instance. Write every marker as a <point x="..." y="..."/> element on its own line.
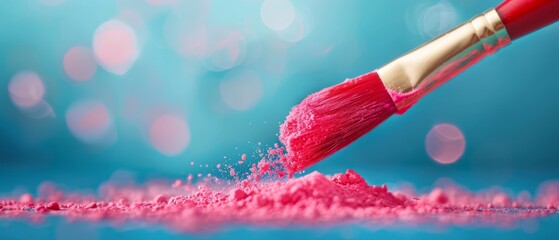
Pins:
<point x="411" y="76"/>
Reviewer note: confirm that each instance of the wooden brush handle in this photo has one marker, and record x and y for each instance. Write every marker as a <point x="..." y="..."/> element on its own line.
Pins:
<point x="525" y="16"/>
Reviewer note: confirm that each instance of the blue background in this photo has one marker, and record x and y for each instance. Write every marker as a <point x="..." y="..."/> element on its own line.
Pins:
<point x="505" y="105"/>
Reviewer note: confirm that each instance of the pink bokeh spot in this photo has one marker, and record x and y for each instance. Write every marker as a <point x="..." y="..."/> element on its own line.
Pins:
<point x="79" y="63"/>
<point x="169" y="134"/>
<point x="90" y="122"/>
<point x="115" y="46"/>
<point x="26" y="89"/>
<point x="277" y="14"/>
<point x="445" y="143"/>
<point x="227" y="49"/>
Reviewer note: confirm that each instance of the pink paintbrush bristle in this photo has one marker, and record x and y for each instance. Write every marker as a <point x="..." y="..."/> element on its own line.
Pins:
<point x="328" y="120"/>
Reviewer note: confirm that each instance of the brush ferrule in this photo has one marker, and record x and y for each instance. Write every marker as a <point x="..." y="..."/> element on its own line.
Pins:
<point x="413" y="75"/>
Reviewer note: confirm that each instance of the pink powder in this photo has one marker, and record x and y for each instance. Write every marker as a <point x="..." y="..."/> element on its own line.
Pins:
<point x="403" y="97"/>
<point x="313" y="199"/>
<point x="332" y="118"/>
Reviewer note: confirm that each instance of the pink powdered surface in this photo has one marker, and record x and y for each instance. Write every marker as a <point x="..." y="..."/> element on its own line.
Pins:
<point x="266" y="198"/>
<point x="331" y="119"/>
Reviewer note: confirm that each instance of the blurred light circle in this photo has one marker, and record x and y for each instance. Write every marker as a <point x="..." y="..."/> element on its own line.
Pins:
<point x="192" y="42"/>
<point x="26" y="89"/>
<point x="79" y="63"/>
<point x="115" y="46"/>
<point x="277" y="14"/>
<point x="169" y="134"/>
<point x="436" y="19"/>
<point x="241" y="89"/>
<point x="90" y="122"/>
<point x="445" y="143"/>
<point x="295" y="32"/>
<point x="227" y="51"/>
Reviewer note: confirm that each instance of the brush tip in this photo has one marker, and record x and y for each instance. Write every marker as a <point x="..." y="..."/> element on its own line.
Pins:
<point x="329" y="120"/>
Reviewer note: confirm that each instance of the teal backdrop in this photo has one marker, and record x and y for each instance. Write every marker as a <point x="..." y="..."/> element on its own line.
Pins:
<point x="218" y="77"/>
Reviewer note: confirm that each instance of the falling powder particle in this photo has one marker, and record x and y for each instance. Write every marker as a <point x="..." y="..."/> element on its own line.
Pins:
<point x="177" y="183"/>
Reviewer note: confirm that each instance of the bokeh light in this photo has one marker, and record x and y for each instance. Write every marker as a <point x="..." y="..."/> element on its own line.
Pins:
<point x="26" y="89"/>
<point x="277" y="14"/>
<point x="79" y="63"/>
<point x="169" y="134"/>
<point x="227" y="50"/>
<point x="445" y="143"/>
<point x="90" y="122"/>
<point x="241" y="89"/>
<point x="192" y="42"/>
<point x="437" y="19"/>
<point x="115" y="46"/>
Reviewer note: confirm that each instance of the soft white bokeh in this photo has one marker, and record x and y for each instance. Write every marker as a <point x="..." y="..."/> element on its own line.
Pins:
<point x="277" y="14"/>
<point x="445" y="143"/>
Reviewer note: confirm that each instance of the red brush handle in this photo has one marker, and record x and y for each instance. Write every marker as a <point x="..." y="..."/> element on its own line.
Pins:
<point x="524" y="16"/>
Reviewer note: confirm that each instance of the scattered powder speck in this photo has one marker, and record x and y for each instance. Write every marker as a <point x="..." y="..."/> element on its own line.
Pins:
<point x="266" y="197"/>
<point x="309" y="200"/>
<point x="177" y="183"/>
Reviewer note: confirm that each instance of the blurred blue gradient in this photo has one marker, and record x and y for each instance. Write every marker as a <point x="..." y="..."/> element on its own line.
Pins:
<point x="193" y="62"/>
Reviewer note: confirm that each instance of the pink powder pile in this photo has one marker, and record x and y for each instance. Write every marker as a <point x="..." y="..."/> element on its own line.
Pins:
<point x="313" y="199"/>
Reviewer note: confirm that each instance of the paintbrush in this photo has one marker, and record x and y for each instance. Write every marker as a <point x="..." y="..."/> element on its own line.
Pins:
<point x="332" y="118"/>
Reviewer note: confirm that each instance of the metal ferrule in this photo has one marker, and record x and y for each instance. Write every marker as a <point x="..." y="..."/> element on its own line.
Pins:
<point x="411" y="76"/>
